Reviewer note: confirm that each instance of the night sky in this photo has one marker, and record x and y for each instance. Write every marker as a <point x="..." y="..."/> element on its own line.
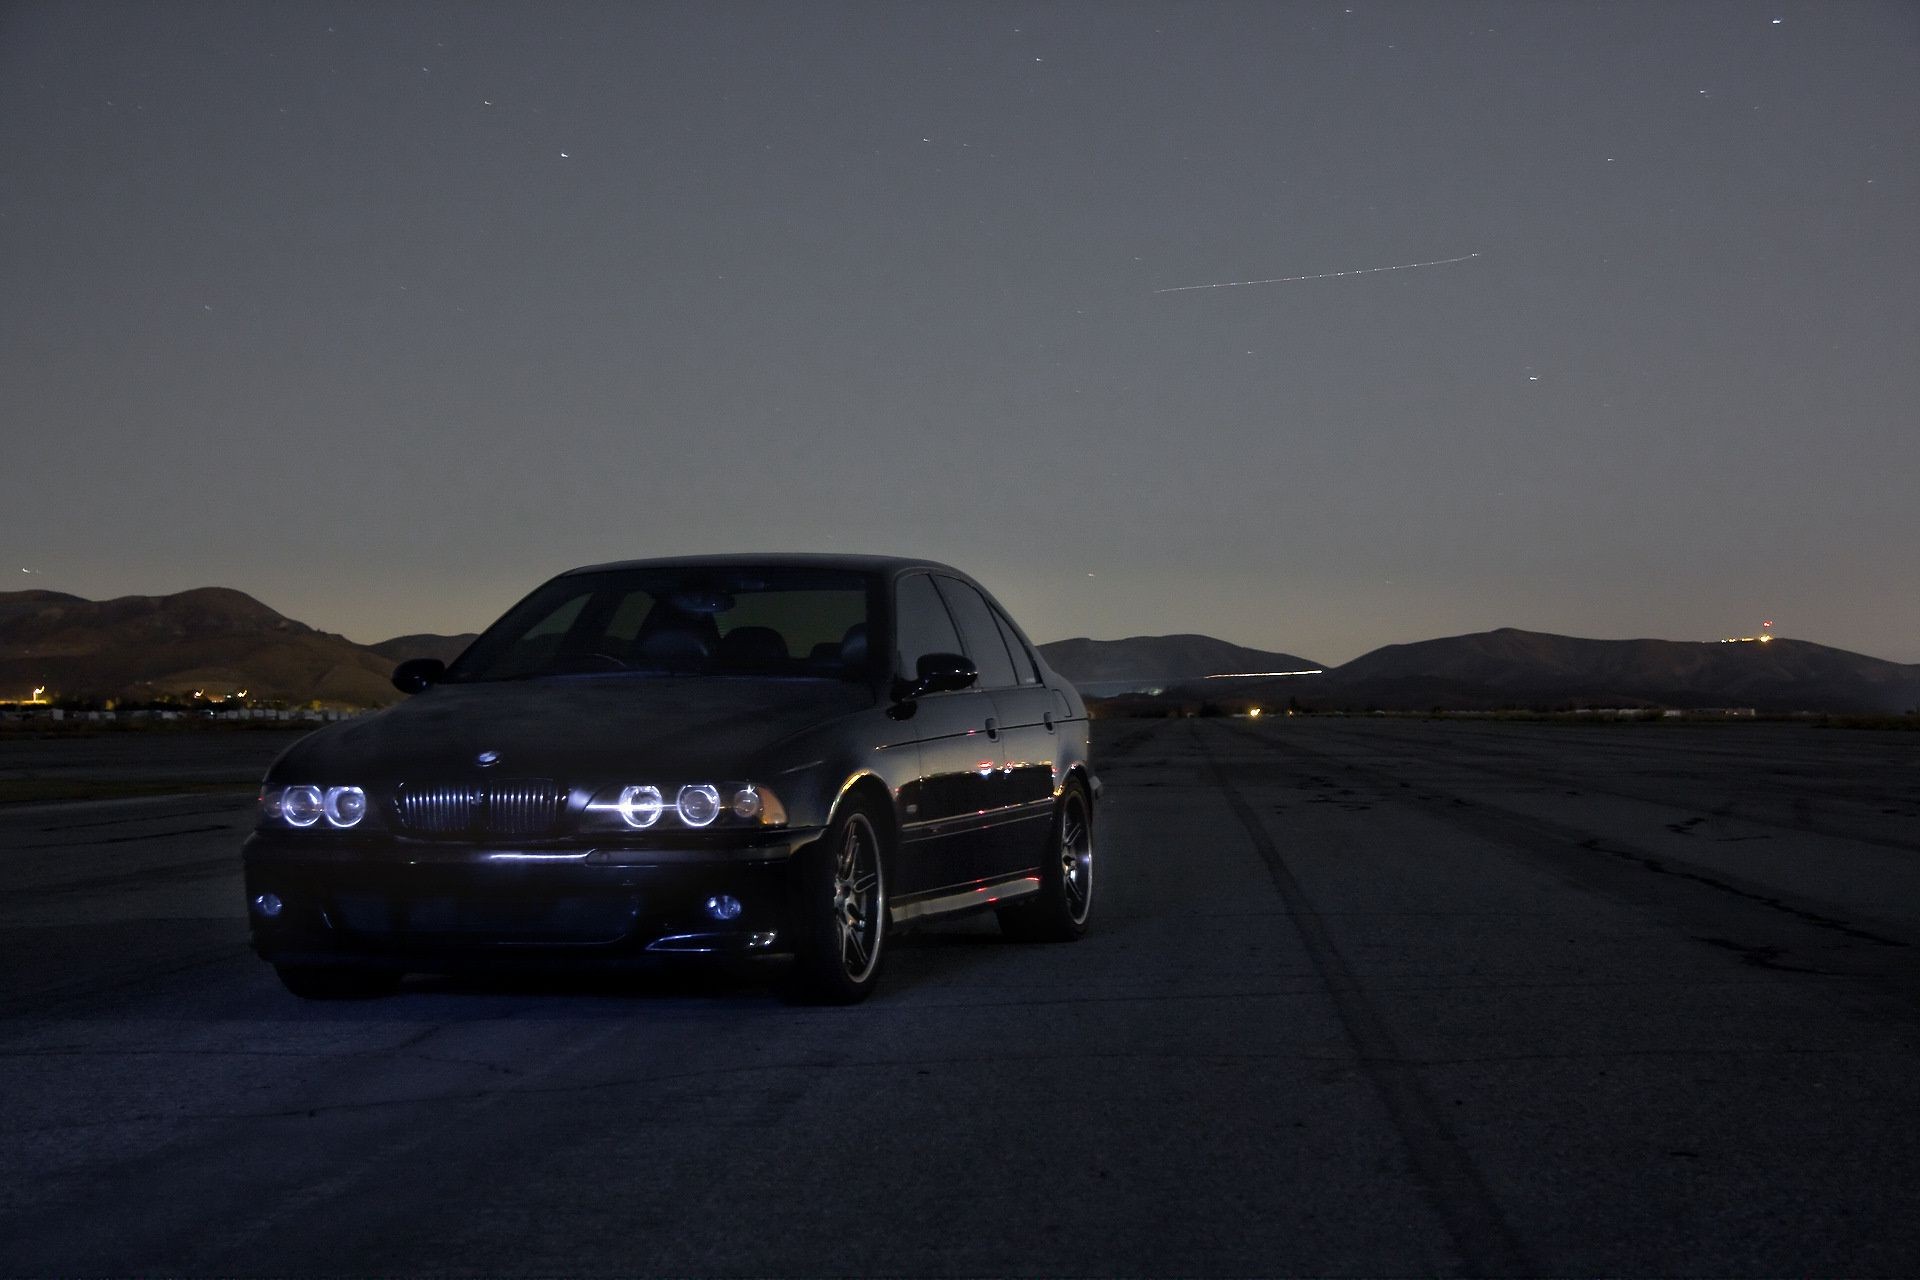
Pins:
<point x="385" y="312"/>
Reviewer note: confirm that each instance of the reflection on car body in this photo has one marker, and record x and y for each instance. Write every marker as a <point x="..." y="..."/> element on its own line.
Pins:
<point x="737" y="756"/>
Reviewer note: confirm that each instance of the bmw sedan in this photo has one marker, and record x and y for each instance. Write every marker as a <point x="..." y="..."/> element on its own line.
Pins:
<point x="738" y="756"/>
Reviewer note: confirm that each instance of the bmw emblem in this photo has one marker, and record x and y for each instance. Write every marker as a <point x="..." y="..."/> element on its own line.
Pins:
<point x="487" y="759"/>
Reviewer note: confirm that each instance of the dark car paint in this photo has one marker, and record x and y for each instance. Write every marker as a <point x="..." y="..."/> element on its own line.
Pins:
<point x="967" y="780"/>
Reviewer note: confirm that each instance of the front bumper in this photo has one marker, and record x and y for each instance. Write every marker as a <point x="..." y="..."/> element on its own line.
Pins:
<point x="429" y="907"/>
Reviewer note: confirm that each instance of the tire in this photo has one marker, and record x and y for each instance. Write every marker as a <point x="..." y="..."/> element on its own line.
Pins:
<point x="337" y="982"/>
<point x="1059" y="912"/>
<point x="840" y="911"/>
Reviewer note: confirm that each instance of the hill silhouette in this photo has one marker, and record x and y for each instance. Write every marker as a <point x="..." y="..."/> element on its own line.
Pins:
<point x="1505" y="668"/>
<point x="1159" y="660"/>
<point x="147" y="647"/>
<point x="424" y="645"/>
<point x="220" y="640"/>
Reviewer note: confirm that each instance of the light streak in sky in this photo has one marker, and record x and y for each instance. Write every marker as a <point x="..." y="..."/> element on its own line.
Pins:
<point x="1324" y="275"/>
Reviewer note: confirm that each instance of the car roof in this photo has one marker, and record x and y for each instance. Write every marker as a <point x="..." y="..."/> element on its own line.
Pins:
<point x="775" y="559"/>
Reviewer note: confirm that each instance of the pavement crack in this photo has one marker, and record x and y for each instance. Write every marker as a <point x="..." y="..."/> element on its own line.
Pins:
<point x="143" y="817"/>
<point x="1761" y="957"/>
<point x="150" y="835"/>
<point x="1815" y="918"/>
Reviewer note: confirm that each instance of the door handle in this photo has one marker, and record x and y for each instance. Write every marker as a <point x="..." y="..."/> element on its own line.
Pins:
<point x="993" y="729"/>
<point x="1046" y="717"/>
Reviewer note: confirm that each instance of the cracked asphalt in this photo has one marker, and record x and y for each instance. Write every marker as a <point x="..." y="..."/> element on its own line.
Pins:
<point x="1363" y="997"/>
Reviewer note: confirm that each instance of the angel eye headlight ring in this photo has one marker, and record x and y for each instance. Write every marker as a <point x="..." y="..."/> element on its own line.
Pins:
<point x="301" y="806"/>
<point x="344" y="806"/>
<point x="640" y="807"/>
<point x="698" y="804"/>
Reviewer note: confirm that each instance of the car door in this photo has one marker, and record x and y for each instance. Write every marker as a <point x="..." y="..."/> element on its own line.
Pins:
<point x="943" y="810"/>
<point x="1013" y="839"/>
<point x="1030" y="741"/>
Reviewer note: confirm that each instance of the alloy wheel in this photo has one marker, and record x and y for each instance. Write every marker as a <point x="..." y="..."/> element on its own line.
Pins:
<point x="858" y="899"/>
<point x="1076" y="858"/>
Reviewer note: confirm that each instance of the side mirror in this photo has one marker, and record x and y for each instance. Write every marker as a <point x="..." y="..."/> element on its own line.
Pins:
<point x="417" y="675"/>
<point x="937" y="673"/>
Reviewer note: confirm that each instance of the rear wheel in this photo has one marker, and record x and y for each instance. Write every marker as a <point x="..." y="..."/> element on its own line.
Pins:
<point x="336" y="982"/>
<point x="841" y="912"/>
<point x="1059" y="912"/>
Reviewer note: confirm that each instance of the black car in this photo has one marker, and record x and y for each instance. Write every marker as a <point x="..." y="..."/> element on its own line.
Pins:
<point x="736" y="756"/>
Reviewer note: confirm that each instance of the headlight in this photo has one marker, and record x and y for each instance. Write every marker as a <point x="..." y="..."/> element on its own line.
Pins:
<point x="300" y="806"/>
<point x="344" y="806"/>
<point x="698" y="805"/>
<point x="693" y="806"/>
<point x="305" y="805"/>
<point x="640" y="806"/>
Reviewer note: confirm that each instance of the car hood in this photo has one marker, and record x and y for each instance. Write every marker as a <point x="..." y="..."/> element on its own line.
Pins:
<point x="576" y="728"/>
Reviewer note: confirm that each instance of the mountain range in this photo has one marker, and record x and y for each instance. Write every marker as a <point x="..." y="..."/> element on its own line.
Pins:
<point x="220" y="642"/>
<point x="214" y="640"/>
<point x="1508" y="668"/>
<point x="445" y="648"/>
<point x="1099" y="667"/>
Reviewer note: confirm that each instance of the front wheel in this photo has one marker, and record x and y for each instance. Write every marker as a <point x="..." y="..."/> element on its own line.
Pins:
<point x="841" y="912"/>
<point x="1059" y="912"/>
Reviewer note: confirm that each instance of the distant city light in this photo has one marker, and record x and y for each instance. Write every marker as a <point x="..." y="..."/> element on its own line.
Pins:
<point x="1765" y="636"/>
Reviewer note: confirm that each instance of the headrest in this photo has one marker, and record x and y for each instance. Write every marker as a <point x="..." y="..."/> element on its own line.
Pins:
<point x="671" y="642"/>
<point x="853" y="645"/>
<point x="753" y="645"/>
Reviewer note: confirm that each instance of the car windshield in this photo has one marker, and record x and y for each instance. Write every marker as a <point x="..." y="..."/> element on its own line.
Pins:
<point x="681" y="621"/>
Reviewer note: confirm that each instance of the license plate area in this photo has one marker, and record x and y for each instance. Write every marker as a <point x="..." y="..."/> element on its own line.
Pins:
<point x="498" y="919"/>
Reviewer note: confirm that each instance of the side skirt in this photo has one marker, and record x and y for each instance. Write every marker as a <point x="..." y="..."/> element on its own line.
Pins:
<point x="942" y="902"/>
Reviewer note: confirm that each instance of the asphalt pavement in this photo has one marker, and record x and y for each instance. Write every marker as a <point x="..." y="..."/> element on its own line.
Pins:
<point x="1362" y="997"/>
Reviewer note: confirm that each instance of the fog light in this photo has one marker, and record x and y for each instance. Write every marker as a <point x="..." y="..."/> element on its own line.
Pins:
<point x="723" y="906"/>
<point x="269" y="905"/>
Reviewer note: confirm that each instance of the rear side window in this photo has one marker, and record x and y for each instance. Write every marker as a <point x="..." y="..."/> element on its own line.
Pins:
<point x="981" y="634"/>
<point x="921" y="624"/>
<point x="1022" y="656"/>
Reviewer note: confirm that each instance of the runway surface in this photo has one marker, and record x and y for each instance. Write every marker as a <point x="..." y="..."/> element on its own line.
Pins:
<point x="1362" y="997"/>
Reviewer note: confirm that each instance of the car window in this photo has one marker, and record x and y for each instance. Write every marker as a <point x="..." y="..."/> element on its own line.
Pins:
<point x="540" y="642"/>
<point x="810" y="622"/>
<point x="921" y="624"/>
<point x="980" y="633"/>
<point x="1022" y="657"/>
<point x="685" y="620"/>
